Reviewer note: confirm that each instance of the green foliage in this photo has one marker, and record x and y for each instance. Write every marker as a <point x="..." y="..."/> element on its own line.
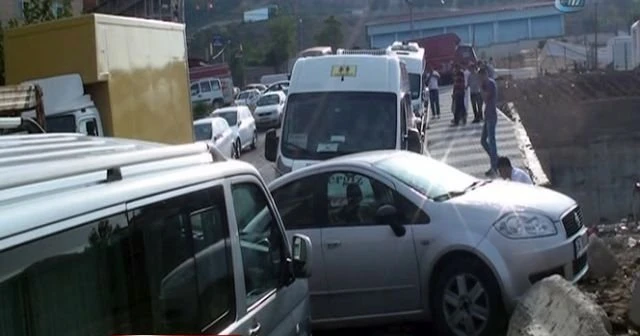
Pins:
<point x="331" y="33"/>
<point x="282" y="31"/>
<point x="35" y="11"/>
<point x="200" y="110"/>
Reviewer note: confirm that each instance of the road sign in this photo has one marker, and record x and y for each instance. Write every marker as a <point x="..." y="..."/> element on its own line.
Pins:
<point x="218" y="41"/>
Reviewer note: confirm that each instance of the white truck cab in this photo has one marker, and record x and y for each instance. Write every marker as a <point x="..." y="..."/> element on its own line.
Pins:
<point x="342" y="104"/>
<point x="66" y="106"/>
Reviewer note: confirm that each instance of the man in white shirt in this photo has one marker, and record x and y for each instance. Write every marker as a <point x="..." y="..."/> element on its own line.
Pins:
<point x="433" y="77"/>
<point x="508" y="172"/>
<point x="466" y="73"/>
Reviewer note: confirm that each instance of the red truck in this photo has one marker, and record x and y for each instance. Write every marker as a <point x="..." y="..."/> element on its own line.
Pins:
<point x="198" y="69"/>
<point x="442" y="51"/>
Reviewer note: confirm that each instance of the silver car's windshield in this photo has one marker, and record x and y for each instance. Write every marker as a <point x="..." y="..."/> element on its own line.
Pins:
<point x="430" y="177"/>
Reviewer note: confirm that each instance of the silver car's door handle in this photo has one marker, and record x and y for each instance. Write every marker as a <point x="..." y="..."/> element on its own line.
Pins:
<point x="333" y="243"/>
<point x="255" y="330"/>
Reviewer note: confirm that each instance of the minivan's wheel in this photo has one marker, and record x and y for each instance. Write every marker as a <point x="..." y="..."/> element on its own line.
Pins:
<point x="254" y="140"/>
<point x="466" y="300"/>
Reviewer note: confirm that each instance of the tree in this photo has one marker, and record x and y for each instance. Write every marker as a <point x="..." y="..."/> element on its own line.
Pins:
<point x="331" y="33"/>
<point x="282" y="30"/>
<point x="35" y="11"/>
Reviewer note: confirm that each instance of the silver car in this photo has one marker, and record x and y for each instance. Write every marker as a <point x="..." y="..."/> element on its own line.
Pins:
<point x="401" y="236"/>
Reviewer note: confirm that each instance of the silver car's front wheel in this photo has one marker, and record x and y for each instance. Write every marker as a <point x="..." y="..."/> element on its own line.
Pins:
<point x="466" y="299"/>
<point x="466" y="305"/>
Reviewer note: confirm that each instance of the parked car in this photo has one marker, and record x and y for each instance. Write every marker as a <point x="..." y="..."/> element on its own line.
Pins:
<point x="248" y="97"/>
<point x="134" y="237"/>
<point x="269" y="109"/>
<point x="216" y="131"/>
<point x="242" y="125"/>
<point x="256" y="86"/>
<point x="278" y="86"/>
<point x="401" y="236"/>
<point x="207" y="91"/>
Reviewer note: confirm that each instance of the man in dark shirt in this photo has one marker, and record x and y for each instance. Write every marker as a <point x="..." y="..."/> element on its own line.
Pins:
<point x="459" y="86"/>
<point x="488" y="140"/>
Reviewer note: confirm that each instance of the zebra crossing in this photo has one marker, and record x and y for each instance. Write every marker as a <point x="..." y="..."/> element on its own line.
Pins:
<point x="460" y="146"/>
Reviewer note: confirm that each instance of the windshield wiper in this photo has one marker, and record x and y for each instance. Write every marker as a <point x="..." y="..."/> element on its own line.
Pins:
<point x="452" y="194"/>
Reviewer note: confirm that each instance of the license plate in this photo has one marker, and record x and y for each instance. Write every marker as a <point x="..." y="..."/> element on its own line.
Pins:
<point x="580" y="245"/>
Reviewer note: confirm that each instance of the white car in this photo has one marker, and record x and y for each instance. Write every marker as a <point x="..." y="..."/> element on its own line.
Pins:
<point x="242" y="125"/>
<point x="256" y="86"/>
<point x="216" y="130"/>
<point x="278" y="86"/>
<point x="247" y="97"/>
<point x="269" y="109"/>
<point x="402" y="236"/>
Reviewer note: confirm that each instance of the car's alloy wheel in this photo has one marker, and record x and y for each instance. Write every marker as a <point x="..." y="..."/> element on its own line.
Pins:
<point x="466" y="300"/>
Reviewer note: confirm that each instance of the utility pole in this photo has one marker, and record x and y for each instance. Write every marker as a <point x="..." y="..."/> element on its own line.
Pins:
<point x="595" y="37"/>
<point x="410" y="4"/>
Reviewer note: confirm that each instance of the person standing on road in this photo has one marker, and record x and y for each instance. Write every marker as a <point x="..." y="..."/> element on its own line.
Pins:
<point x="459" y="111"/>
<point x="466" y="73"/>
<point x="508" y="172"/>
<point x="491" y="68"/>
<point x="488" y="138"/>
<point x="433" y="77"/>
<point x="475" y="89"/>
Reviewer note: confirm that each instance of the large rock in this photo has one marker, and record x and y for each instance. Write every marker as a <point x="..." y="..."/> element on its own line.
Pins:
<point x="602" y="262"/>
<point x="554" y="307"/>
<point x="634" y="305"/>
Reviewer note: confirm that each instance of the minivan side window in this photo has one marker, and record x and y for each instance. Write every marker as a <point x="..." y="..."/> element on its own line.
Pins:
<point x="184" y="292"/>
<point x="215" y="85"/>
<point x="205" y="86"/>
<point x="195" y="89"/>
<point x="261" y="241"/>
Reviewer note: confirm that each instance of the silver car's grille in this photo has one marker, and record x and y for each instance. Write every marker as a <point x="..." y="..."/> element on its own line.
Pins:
<point x="572" y="221"/>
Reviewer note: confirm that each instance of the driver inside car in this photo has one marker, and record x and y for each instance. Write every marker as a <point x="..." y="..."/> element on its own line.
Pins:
<point x="350" y="212"/>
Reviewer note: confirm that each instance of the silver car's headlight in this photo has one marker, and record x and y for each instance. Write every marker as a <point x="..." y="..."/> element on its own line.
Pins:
<point x="525" y="225"/>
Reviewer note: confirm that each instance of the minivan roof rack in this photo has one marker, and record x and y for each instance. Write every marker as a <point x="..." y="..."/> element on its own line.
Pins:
<point x="111" y="165"/>
<point x="362" y="52"/>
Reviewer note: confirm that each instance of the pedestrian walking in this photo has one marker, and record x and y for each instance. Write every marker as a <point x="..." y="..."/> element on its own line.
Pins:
<point x="509" y="172"/>
<point x="488" y="138"/>
<point x="459" y="112"/>
<point x="433" y="79"/>
<point x="475" y="93"/>
<point x="466" y="73"/>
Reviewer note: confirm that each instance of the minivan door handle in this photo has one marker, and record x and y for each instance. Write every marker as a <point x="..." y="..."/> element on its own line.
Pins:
<point x="255" y="330"/>
<point x="333" y="243"/>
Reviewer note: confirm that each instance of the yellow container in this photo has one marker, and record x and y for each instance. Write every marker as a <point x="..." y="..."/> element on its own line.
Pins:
<point x="135" y="70"/>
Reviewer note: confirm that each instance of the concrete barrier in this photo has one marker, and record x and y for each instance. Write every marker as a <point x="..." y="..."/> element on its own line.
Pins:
<point x="554" y="307"/>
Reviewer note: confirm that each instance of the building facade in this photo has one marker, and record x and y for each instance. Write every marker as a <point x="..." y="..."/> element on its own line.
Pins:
<point x="12" y="9"/>
<point x="482" y="28"/>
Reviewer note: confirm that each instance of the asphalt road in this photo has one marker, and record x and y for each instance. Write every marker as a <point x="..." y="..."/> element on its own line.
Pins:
<point x="267" y="170"/>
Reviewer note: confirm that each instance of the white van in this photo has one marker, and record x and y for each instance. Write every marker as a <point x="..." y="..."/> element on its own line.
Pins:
<point x="413" y="56"/>
<point x="342" y="104"/>
<point x="111" y="236"/>
<point x="207" y="91"/>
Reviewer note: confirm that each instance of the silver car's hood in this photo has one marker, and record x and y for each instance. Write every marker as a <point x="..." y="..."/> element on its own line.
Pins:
<point x="505" y="196"/>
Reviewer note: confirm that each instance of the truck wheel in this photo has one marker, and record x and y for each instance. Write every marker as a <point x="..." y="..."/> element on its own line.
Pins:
<point x="466" y="299"/>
